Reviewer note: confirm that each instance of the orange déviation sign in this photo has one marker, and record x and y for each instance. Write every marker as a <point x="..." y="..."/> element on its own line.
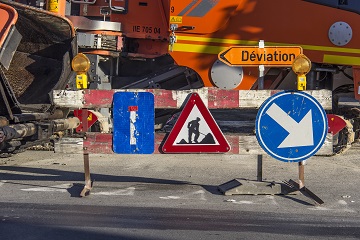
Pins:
<point x="254" y="56"/>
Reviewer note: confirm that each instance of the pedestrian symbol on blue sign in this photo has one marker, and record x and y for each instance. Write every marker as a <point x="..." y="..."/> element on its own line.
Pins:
<point x="291" y="126"/>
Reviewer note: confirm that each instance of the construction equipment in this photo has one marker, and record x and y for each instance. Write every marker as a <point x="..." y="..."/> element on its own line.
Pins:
<point x="165" y="44"/>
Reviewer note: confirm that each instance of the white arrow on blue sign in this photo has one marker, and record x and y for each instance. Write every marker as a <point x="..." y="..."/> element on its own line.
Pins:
<point x="291" y="126"/>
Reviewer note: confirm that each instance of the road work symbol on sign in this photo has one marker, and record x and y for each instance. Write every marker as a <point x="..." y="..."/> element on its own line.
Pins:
<point x="133" y="131"/>
<point x="291" y="126"/>
<point x="195" y="131"/>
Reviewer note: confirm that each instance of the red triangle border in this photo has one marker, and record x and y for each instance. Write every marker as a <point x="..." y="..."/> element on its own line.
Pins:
<point x="169" y="146"/>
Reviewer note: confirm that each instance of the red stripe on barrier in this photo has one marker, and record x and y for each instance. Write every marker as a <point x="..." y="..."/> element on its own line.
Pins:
<point x="222" y="99"/>
<point x="98" y="143"/>
<point x="101" y="143"/>
<point x="215" y="98"/>
<point x="104" y="98"/>
<point x="98" y="98"/>
<point x="164" y="98"/>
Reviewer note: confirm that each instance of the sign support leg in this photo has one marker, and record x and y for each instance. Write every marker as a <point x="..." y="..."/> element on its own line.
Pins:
<point x="88" y="182"/>
<point x="260" y="168"/>
<point x="301" y="174"/>
<point x="301" y="185"/>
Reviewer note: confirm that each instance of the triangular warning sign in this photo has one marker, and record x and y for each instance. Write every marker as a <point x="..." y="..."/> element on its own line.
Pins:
<point x="195" y="131"/>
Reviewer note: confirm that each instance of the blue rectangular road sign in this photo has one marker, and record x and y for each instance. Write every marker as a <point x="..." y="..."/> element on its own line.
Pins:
<point x="133" y="116"/>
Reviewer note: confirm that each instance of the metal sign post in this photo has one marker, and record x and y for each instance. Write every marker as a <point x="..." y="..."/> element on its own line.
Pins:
<point x="260" y="87"/>
<point x="301" y="174"/>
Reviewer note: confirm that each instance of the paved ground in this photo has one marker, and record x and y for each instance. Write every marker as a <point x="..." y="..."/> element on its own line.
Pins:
<point x="174" y="197"/>
<point x="189" y="180"/>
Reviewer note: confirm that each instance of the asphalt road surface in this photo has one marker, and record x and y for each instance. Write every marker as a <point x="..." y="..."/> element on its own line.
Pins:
<point x="174" y="197"/>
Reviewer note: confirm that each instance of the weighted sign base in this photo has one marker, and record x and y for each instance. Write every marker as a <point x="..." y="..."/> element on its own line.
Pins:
<point x="249" y="187"/>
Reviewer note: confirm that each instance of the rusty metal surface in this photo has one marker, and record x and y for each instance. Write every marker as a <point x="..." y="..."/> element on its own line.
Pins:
<point x="63" y="124"/>
<point x="18" y="131"/>
<point x="25" y="117"/>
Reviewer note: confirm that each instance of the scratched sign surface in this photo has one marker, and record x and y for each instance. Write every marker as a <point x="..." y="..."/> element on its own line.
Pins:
<point x="133" y="131"/>
<point x="291" y="126"/>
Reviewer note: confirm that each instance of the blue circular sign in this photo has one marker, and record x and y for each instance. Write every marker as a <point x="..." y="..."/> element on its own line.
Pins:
<point x="291" y="126"/>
